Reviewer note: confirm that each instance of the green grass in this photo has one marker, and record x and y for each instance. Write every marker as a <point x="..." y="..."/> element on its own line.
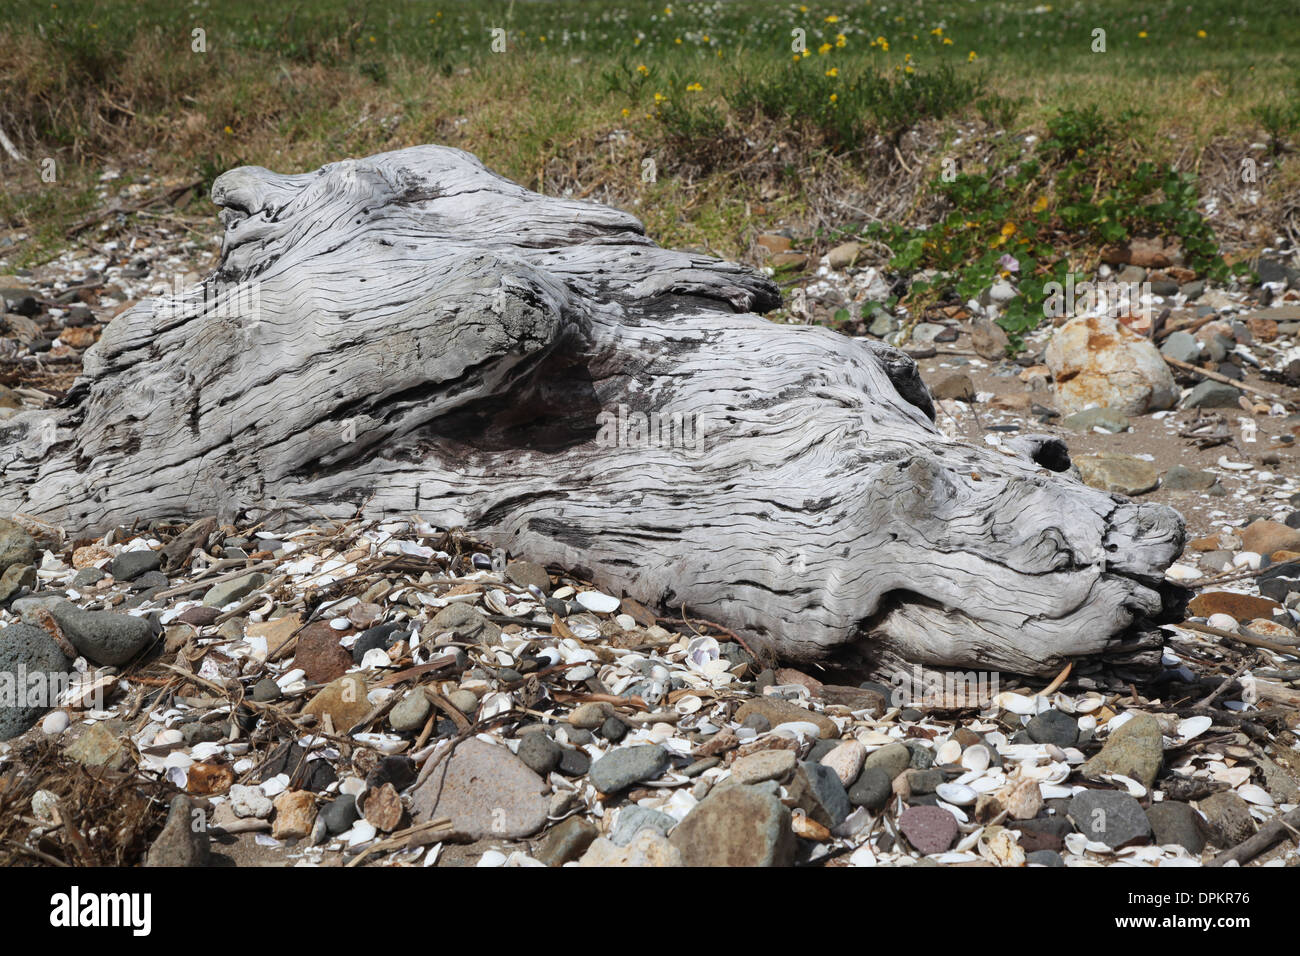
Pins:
<point x="585" y="91"/>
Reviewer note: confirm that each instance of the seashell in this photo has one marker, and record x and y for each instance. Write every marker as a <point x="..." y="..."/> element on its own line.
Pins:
<point x="1055" y="791"/>
<point x="375" y="657"/>
<point x="340" y="623"/>
<point x="988" y="784"/>
<point x="494" y="705"/>
<point x="55" y="722"/>
<point x="955" y="810"/>
<point x="1224" y="462"/>
<point x="1253" y="793"/>
<point x="956" y="794"/>
<point x="1016" y="703"/>
<point x="626" y="621"/>
<point x="585" y="672"/>
<point x="562" y="593"/>
<point x="274" y="786"/>
<point x="1194" y="726"/>
<point x="1182" y="572"/>
<point x="797" y="728"/>
<point x="1232" y="776"/>
<point x="862" y="856"/>
<point x="1088" y="704"/>
<point x="976" y="757"/>
<point x="362" y="832"/>
<point x="599" y="602"/>
<point x="948" y="753"/>
<point x="1247" y="559"/>
<point x="168" y="737"/>
<point x="701" y="650"/>
<point x="688" y="704"/>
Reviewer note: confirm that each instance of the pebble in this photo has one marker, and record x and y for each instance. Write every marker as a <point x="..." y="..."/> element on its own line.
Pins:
<point x="539" y="752"/>
<point x="219" y="595"/>
<point x="778" y="711"/>
<point x="1134" y="750"/>
<point x="104" y="637"/>
<point x="411" y="713"/>
<point x="340" y="814"/>
<point x="846" y="759"/>
<point x="1053" y="727"/>
<point x="764" y="765"/>
<point x="1228" y="817"/>
<point x="129" y="565"/>
<point x="487" y="792"/>
<point x="892" y="758"/>
<point x="633" y="819"/>
<point x="566" y="841"/>
<point x="872" y="789"/>
<point x="818" y="791"/>
<point x="181" y="843"/>
<point x="624" y="766"/>
<point x="740" y="826"/>
<point x="648" y="848"/>
<point x="1110" y="817"/>
<point x="1178" y="824"/>
<point x="928" y="829"/>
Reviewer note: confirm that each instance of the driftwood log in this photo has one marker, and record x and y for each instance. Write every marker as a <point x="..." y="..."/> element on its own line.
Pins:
<point x="413" y="334"/>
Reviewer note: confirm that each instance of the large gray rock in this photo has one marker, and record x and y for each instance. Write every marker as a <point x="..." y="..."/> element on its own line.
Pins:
<point x="737" y="826"/>
<point x="486" y="791"/>
<point x="1210" y="394"/>
<point x="32" y="670"/>
<point x="104" y="637"/>
<point x="1110" y="817"/>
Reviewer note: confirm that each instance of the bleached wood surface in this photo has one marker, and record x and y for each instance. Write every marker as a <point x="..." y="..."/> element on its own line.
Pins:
<point x="411" y="333"/>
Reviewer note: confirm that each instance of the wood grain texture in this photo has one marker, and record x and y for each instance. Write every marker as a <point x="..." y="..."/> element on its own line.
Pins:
<point x="411" y="333"/>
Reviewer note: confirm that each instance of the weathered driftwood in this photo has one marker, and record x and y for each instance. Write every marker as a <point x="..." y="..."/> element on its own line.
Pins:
<point x="411" y="333"/>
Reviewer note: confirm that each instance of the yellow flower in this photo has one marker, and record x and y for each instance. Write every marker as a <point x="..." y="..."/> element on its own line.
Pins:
<point x="659" y="97"/>
<point x="704" y="38"/>
<point x="626" y="112"/>
<point x="543" y="39"/>
<point x="229" y="131"/>
<point x="636" y="42"/>
<point x="833" y="71"/>
<point x="1201" y="33"/>
<point x="937" y="32"/>
<point x="1040" y="204"/>
<point x="972" y="57"/>
<point x="908" y="69"/>
<point x="803" y="9"/>
<point x="832" y="19"/>
<point x="824" y="49"/>
<point x="907" y="58"/>
<point x="947" y="41"/>
<point x="841" y="39"/>
<point x="372" y="39"/>
<point x="643" y="69"/>
<point x="1008" y="229"/>
<point x="677" y="39"/>
<point x="1142" y="34"/>
<point x="668" y="11"/>
<point x="834" y="97"/>
<point x="807" y="53"/>
<point x="695" y="88"/>
<point x="796" y="57"/>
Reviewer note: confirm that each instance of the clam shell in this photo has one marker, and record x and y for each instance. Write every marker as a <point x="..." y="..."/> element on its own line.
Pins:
<point x="948" y="753"/>
<point x="976" y="757"/>
<point x="1253" y="793"/>
<point x="955" y="793"/>
<point x="1194" y="726"/>
<point x="688" y="704"/>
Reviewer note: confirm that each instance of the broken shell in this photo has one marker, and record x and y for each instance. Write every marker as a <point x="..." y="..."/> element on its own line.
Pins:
<point x="1253" y="793"/>
<point x="1194" y="726"/>
<point x="1017" y="703"/>
<point x="599" y="602"/>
